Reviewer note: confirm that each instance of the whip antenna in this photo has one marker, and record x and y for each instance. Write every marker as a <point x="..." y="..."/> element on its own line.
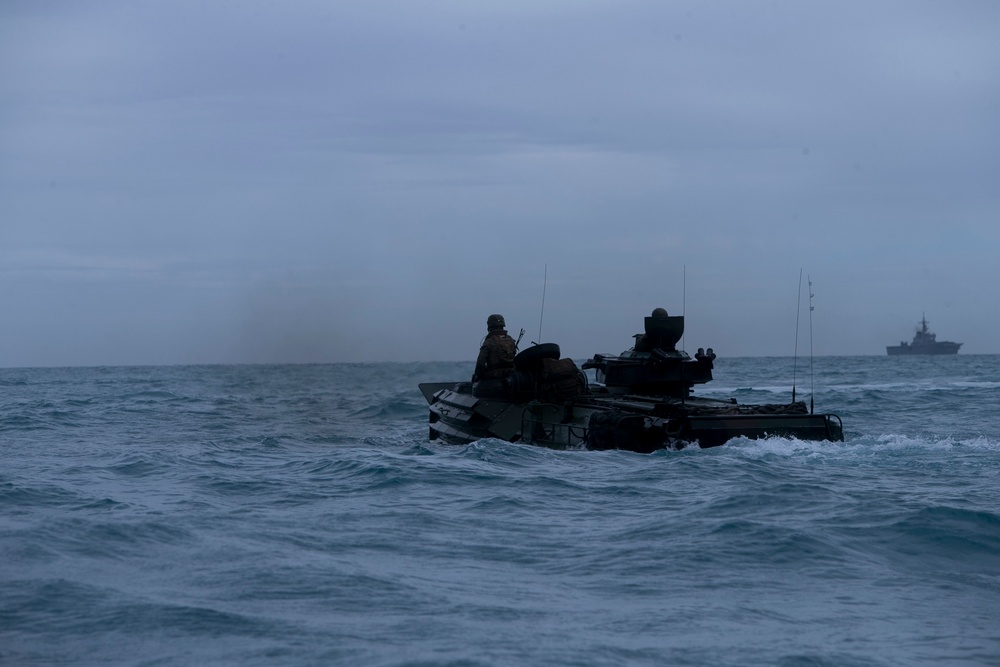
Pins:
<point x="545" y="281"/>
<point x="795" y="357"/>
<point x="811" y="308"/>
<point x="684" y="290"/>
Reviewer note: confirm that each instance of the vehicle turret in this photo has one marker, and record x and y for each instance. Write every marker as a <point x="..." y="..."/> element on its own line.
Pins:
<point x="654" y="365"/>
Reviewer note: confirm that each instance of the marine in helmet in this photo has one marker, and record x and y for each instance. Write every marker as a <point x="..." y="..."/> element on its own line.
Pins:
<point x="496" y="356"/>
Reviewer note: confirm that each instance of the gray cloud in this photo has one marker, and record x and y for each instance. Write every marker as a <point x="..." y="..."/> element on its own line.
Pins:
<point x="312" y="182"/>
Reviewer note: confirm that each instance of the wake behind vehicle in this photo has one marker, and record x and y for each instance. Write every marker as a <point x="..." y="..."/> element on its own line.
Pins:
<point x="641" y="401"/>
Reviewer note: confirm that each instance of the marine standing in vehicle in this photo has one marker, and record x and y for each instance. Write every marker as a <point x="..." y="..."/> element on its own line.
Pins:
<point x="496" y="354"/>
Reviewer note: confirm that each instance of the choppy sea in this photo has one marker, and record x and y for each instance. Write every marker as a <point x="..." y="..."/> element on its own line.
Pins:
<point x="298" y="515"/>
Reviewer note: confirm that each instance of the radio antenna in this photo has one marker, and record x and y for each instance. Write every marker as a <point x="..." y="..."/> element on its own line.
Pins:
<point x="812" y="390"/>
<point x="545" y="282"/>
<point x="684" y="296"/>
<point x="795" y="357"/>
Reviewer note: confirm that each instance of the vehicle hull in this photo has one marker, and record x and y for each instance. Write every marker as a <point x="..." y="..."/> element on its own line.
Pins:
<point x="941" y="347"/>
<point x="604" y="420"/>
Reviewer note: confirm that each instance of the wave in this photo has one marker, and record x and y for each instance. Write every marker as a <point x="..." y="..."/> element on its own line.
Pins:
<point x="253" y="515"/>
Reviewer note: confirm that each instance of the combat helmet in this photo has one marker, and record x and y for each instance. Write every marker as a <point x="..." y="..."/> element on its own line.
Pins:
<point x="495" y="322"/>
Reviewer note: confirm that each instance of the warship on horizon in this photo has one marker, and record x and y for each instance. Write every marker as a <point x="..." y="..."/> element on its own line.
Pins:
<point x="924" y="342"/>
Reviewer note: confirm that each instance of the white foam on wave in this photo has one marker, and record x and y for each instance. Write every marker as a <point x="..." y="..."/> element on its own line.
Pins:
<point x="896" y="441"/>
<point x="976" y="385"/>
<point x="777" y="446"/>
<point x="890" y="442"/>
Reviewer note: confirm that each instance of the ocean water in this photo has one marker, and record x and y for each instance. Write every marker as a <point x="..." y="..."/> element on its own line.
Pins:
<point x="297" y="515"/>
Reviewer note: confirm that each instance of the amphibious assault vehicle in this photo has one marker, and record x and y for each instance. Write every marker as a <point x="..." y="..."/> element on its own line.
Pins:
<point x="641" y="400"/>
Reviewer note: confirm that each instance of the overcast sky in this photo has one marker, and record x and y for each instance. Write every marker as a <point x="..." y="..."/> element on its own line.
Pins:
<point x="185" y="181"/>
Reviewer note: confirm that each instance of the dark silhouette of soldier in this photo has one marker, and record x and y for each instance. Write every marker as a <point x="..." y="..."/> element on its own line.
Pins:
<point x="496" y="356"/>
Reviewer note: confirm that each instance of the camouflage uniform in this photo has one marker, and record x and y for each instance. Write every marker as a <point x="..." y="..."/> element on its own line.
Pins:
<point x="496" y="356"/>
